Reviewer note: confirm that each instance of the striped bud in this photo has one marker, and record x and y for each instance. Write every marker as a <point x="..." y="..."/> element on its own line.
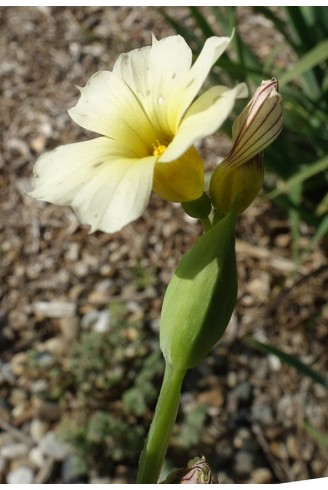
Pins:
<point x="238" y="178"/>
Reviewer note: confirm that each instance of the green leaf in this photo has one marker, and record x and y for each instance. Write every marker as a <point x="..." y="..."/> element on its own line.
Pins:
<point x="293" y="361"/>
<point x="306" y="172"/>
<point x="321" y="438"/>
<point x="312" y="58"/>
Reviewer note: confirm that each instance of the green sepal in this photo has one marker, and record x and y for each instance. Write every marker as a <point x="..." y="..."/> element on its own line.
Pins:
<point x="200" y="298"/>
<point x="200" y="208"/>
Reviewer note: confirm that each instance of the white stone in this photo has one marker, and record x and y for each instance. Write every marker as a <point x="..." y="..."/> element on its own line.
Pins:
<point x="53" y="447"/>
<point x="14" y="451"/>
<point x="36" y="457"/>
<point x="37" y="429"/>
<point x="22" y="475"/>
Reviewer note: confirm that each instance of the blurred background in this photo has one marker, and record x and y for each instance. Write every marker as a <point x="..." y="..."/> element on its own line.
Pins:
<point x="80" y="365"/>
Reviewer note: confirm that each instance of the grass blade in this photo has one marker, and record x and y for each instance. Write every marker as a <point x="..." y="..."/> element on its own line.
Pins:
<point x="293" y="361"/>
<point x="312" y="58"/>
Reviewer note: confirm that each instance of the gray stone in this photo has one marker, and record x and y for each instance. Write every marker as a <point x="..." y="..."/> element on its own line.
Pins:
<point x="39" y="386"/>
<point x="243" y="392"/>
<point x="14" y="451"/>
<point x="74" y="470"/>
<point x="45" y="359"/>
<point x="23" y="475"/>
<point x="262" y="414"/>
<point x="244" y="463"/>
<point x="53" y="447"/>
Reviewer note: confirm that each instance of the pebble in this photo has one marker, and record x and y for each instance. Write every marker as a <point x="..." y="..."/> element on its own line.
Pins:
<point x="45" y="359"/>
<point x="36" y="457"/>
<point x="243" y="392"/>
<point x="23" y="475"/>
<point x="70" y="326"/>
<point x="14" y="451"/>
<point x="54" y="309"/>
<point x="244" y="463"/>
<point x="6" y="373"/>
<point x="278" y="449"/>
<point x="38" y="429"/>
<point x="51" y="446"/>
<point x="262" y="414"/>
<point x="74" y="470"/>
<point x="261" y="476"/>
<point x="99" y="321"/>
<point x="17" y="396"/>
<point x="49" y="411"/>
<point x="18" y="363"/>
<point x="103" y="322"/>
<point x="293" y="447"/>
<point x="39" y="386"/>
<point x="3" y="464"/>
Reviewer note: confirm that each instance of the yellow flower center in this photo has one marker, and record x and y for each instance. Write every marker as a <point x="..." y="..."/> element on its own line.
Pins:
<point x="158" y="149"/>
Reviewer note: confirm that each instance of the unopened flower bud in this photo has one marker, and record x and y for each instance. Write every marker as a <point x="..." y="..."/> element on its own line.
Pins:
<point x="238" y="178"/>
<point x="200" y="298"/>
<point x="198" y="471"/>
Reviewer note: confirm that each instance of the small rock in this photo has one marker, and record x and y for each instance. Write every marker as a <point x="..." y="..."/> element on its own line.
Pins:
<point x="17" y="396"/>
<point x="49" y="411"/>
<point x="99" y="321"/>
<point x="261" y="476"/>
<point x="243" y="392"/>
<point x="18" y="363"/>
<point x="38" y="428"/>
<point x="36" y="457"/>
<point x="45" y="359"/>
<point x="262" y="414"/>
<point x="6" y="373"/>
<point x="293" y="447"/>
<point x="39" y="386"/>
<point x="89" y="319"/>
<point x="74" y="470"/>
<point x="103" y="322"/>
<point x="23" y="475"/>
<point x="278" y="449"/>
<point x="14" y="451"/>
<point x="244" y="463"/>
<point x="51" y="446"/>
<point x="3" y="464"/>
<point x="70" y="326"/>
<point x="54" y="309"/>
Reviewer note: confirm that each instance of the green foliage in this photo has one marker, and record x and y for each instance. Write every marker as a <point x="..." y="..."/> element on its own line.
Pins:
<point x="299" y="158"/>
<point x="189" y="432"/>
<point x="293" y="361"/>
<point x="106" y="384"/>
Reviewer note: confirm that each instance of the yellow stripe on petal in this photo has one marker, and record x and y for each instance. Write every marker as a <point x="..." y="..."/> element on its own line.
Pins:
<point x="180" y="180"/>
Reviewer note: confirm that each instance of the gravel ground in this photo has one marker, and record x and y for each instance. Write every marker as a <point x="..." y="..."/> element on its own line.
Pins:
<point x="57" y="282"/>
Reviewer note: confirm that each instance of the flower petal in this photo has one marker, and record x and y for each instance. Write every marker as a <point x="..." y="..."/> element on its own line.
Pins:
<point x="117" y="195"/>
<point x="153" y="72"/>
<point x="188" y="88"/>
<point x="108" y="106"/>
<point x="61" y="173"/>
<point x="181" y="180"/>
<point x="203" y="118"/>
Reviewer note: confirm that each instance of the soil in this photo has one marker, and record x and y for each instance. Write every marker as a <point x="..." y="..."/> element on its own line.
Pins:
<point x="55" y="276"/>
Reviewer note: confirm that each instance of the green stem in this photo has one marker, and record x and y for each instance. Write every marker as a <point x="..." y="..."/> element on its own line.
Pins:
<point x="153" y="454"/>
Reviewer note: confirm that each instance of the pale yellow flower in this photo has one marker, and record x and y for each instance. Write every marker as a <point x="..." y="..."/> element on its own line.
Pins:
<point x="145" y="111"/>
<point x="239" y="177"/>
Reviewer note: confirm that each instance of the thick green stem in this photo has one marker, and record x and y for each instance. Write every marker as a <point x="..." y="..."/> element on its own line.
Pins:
<point x="153" y="454"/>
